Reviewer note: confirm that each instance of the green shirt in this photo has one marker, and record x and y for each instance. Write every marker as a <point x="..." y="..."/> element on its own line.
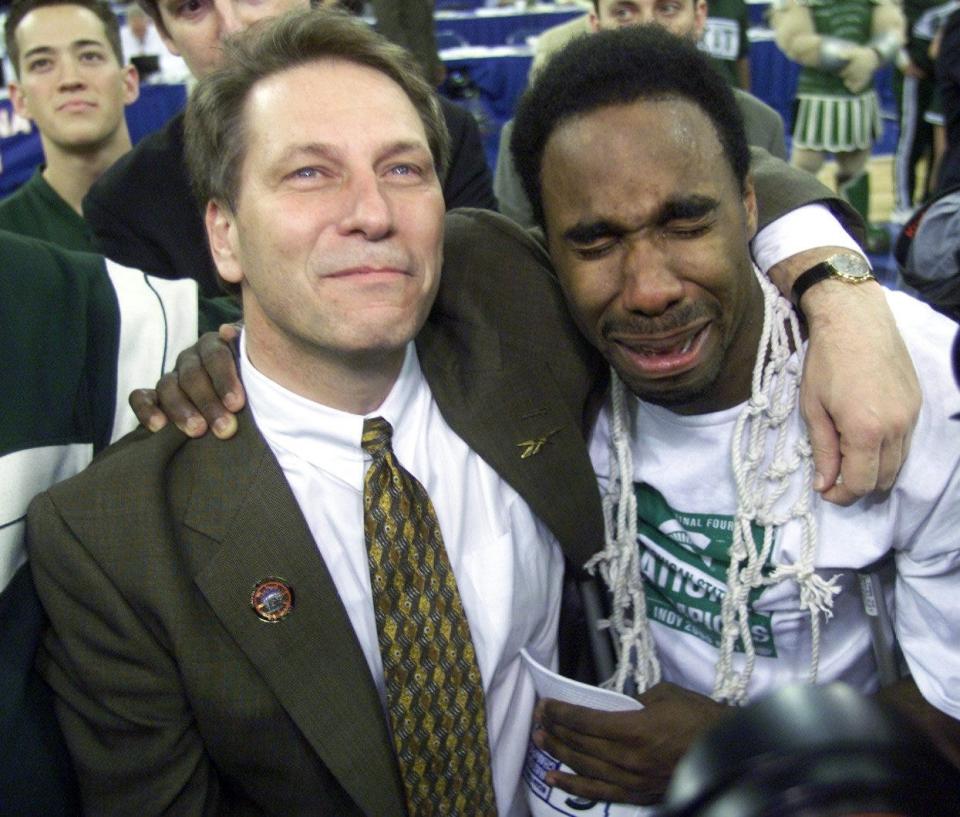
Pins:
<point x="725" y="36"/>
<point x="37" y="210"/>
<point x="845" y="19"/>
<point x="79" y="333"/>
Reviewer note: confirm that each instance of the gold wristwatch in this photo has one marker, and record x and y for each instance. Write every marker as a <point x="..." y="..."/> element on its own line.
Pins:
<point x="848" y="267"/>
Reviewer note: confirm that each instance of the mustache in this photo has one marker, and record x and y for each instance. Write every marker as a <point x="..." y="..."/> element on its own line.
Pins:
<point x="675" y="318"/>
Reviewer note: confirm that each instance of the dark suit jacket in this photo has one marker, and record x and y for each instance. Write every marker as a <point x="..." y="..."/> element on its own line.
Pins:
<point x="763" y="125"/>
<point x="143" y="213"/>
<point x="173" y="694"/>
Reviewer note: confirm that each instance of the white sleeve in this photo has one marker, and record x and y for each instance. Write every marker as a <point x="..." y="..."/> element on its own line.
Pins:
<point x="928" y="557"/>
<point x="805" y="228"/>
<point x="928" y="605"/>
<point x="158" y="319"/>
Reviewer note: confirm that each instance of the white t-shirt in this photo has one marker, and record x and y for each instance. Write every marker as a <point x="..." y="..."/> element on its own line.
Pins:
<point x="686" y="499"/>
<point x="508" y="565"/>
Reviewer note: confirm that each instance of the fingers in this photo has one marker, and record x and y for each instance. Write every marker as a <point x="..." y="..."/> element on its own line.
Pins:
<point x="593" y="790"/>
<point x="860" y="395"/>
<point x="825" y="442"/>
<point x="855" y="465"/>
<point x="858" y="462"/>
<point x="597" y="778"/>
<point x="869" y="467"/>
<point x="606" y="770"/>
<point x="892" y="457"/>
<point x="144" y="405"/>
<point x="204" y="390"/>
<point x="572" y="739"/>
<point x="218" y="358"/>
<point x="584" y="720"/>
<point x="178" y="407"/>
<point x="229" y="332"/>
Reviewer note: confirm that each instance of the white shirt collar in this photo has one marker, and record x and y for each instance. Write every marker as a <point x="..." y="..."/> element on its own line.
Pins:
<point x="326" y="437"/>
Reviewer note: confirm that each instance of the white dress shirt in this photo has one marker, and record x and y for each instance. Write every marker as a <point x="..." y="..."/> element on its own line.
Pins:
<point x="507" y="564"/>
<point x="805" y="228"/>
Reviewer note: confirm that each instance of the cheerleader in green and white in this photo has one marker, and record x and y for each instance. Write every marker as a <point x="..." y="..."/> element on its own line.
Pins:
<point x="840" y="44"/>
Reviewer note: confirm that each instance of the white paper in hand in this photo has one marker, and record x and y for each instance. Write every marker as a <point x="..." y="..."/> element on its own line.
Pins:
<point x="545" y="800"/>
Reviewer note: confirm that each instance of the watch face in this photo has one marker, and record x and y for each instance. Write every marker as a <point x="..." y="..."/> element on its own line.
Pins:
<point x="851" y="267"/>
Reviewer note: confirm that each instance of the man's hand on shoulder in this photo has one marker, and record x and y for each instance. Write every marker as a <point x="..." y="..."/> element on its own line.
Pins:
<point x="860" y="395"/>
<point x="623" y="757"/>
<point x="204" y="391"/>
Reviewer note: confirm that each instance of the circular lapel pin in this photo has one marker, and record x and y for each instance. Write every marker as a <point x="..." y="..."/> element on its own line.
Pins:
<point x="272" y="599"/>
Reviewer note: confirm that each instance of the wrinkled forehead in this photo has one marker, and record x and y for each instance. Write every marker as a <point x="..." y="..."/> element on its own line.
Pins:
<point x="354" y="115"/>
<point x="342" y="96"/>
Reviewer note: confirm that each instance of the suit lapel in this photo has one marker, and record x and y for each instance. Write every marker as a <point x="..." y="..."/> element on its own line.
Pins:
<point x="310" y="658"/>
<point x="513" y="415"/>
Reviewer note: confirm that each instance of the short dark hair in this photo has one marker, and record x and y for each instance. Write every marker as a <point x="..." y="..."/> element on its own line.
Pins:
<point x="617" y="68"/>
<point x="21" y="8"/>
<point x="214" y="132"/>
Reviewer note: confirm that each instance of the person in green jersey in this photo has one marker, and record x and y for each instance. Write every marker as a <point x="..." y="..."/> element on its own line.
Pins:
<point x="71" y="81"/>
<point x="725" y="40"/>
<point x="79" y="333"/>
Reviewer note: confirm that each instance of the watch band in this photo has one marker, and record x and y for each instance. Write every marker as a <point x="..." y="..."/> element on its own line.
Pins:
<point x="831" y="268"/>
<point x="806" y="279"/>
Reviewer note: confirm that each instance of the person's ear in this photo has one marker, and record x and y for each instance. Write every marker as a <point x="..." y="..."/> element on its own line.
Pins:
<point x="18" y="98"/>
<point x="131" y="84"/>
<point x="222" y="237"/>
<point x="750" y="207"/>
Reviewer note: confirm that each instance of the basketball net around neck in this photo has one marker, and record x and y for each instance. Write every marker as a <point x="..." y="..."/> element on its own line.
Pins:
<point x="770" y="474"/>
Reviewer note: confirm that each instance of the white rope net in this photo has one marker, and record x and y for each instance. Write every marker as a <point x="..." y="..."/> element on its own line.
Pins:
<point x="770" y="474"/>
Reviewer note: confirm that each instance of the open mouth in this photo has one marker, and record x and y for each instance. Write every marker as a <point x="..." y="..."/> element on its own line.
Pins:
<point x="665" y="357"/>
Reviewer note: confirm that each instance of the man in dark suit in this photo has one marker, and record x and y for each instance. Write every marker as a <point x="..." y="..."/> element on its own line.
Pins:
<point x="329" y="216"/>
<point x="215" y="643"/>
<point x="142" y="211"/>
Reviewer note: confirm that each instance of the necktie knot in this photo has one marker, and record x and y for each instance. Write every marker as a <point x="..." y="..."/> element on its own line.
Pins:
<point x="377" y="434"/>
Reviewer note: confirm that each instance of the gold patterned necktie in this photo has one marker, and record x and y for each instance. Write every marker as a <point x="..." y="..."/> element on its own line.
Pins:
<point x="434" y="690"/>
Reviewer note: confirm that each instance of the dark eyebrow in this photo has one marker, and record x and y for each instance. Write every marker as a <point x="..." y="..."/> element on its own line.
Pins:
<point x="585" y="233"/>
<point x="47" y="49"/>
<point x="88" y="43"/>
<point x="40" y="49"/>
<point x="686" y="208"/>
